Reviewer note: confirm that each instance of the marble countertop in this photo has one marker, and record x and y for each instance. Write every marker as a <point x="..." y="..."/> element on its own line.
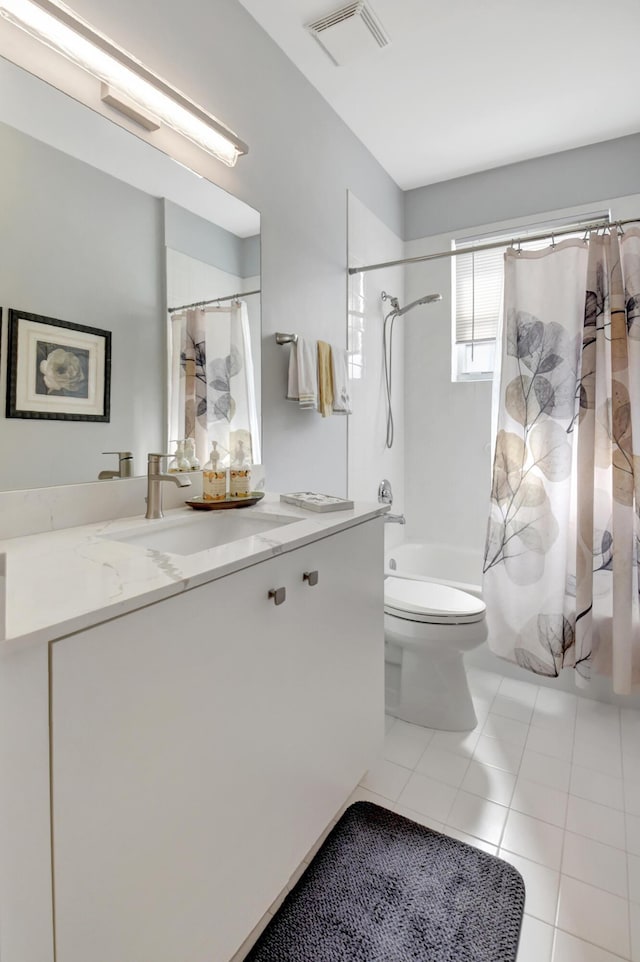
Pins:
<point x="63" y="581"/>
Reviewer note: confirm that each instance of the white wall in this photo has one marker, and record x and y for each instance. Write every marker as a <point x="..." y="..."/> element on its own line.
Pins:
<point x="370" y="242"/>
<point x="448" y="424"/>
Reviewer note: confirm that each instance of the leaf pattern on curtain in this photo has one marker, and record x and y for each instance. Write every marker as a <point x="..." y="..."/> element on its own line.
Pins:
<point x="212" y="392"/>
<point x="221" y="370"/>
<point x="541" y="400"/>
<point x="192" y="360"/>
<point x="561" y="559"/>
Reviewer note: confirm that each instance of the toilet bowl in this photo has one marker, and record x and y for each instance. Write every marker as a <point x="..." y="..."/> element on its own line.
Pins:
<point x="434" y="625"/>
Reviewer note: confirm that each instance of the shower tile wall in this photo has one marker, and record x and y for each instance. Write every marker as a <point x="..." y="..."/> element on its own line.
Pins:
<point x="371" y="241"/>
<point x="448" y="424"/>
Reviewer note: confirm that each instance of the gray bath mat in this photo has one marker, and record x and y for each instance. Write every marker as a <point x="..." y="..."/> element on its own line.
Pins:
<point x="384" y="889"/>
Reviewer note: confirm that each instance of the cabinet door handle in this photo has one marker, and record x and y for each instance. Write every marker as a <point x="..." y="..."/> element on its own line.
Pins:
<point x="311" y="577"/>
<point x="278" y="594"/>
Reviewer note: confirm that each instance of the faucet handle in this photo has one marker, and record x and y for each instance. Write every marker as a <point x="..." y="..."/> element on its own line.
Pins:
<point x="385" y="494"/>
<point x="125" y="465"/>
<point x="155" y="458"/>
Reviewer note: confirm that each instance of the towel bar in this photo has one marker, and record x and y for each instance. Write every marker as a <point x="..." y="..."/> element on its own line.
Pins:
<point x="286" y="338"/>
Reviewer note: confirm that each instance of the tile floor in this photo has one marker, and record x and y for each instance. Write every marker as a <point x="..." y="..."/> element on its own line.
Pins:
<point x="551" y="783"/>
<point x="548" y="781"/>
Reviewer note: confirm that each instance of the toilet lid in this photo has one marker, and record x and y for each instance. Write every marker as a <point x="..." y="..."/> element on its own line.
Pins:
<point x="429" y="598"/>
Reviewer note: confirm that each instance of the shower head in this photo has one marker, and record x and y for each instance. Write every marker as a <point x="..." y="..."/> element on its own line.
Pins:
<point x="427" y="299"/>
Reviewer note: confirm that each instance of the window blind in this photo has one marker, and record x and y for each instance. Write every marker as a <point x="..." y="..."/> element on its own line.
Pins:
<point x="479" y="277"/>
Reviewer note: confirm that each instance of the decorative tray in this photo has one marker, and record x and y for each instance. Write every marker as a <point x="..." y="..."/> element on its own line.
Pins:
<point x="243" y="502"/>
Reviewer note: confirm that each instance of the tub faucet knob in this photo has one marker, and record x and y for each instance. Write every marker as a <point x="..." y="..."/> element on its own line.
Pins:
<point x="385" y="494"/>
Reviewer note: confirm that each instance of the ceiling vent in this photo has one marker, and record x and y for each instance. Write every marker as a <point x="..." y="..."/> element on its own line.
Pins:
<point x="349" y="33"/>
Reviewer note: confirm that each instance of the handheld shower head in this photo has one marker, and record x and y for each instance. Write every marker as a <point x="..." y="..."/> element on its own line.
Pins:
<point x="427" y="299"/>
<point x="387" y="347"/>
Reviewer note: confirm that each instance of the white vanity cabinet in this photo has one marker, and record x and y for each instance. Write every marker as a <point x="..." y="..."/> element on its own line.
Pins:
<point x="200" y="745"/>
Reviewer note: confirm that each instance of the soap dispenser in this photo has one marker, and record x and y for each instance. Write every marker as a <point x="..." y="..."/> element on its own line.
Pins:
<point x="240" y="473"/>
<point x="179" y="462"/>
<point x="190" y="454"/>
<point x="214" y="477"/>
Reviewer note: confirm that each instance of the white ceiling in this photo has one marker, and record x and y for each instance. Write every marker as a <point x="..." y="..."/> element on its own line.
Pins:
<point x="467" y="85"/>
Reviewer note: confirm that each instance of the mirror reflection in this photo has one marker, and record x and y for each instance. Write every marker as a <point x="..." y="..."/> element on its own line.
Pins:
<point x="101" y="232"/>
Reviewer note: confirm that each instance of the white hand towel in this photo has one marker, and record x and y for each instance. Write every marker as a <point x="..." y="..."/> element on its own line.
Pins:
<point x="341" y="396"/>
<point x="307" y="373"/>
<point x="293" y="391"/>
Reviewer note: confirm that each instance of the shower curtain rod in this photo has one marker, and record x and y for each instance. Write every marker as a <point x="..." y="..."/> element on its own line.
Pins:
<point x="215" y="300"/>
<point x="547" y="235"/>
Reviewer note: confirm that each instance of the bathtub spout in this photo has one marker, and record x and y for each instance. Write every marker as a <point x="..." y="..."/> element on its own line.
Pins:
<point x="395" y="519"/>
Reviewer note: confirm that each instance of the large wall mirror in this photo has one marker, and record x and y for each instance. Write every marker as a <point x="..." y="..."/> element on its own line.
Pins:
<point x="100" y="230"/>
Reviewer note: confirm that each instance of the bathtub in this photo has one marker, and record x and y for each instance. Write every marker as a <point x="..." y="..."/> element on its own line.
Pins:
<point x="459" y="567"/>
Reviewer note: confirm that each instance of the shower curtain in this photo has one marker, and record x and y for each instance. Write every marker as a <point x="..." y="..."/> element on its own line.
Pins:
<point x="212" y="386"/>
<point x="562" y="551"/>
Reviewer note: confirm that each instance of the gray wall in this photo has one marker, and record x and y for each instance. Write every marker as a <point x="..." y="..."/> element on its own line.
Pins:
<point x="81" y="246"/>
<point x="301" y="162"/>
<point x="208" y="242"/>
<point x="565" y="179"/>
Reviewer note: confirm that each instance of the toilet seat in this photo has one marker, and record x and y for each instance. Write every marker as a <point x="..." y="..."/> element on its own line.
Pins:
<point x="431" y="603"/>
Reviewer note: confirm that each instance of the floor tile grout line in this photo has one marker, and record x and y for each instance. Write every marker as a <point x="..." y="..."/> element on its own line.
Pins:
<point x="581" y="938"/>
<point x="626" y="836"/>
<point x="576" y="732"/>
<point x="564" y="831"/>
<point x="517" y="774"/>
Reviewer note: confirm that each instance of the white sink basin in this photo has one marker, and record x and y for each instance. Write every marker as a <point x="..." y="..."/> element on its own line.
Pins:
<point x="198" y="532"/>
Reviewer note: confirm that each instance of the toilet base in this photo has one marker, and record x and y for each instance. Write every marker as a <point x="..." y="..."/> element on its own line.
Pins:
<point x="434" y="692"/>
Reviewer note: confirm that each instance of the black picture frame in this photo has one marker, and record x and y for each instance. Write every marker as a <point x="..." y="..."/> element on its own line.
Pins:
<point x="57" y="370"/>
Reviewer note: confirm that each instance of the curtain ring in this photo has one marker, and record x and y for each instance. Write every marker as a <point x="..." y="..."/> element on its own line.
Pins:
<point x="619" y="228"/>
<point x="553" y="240"/>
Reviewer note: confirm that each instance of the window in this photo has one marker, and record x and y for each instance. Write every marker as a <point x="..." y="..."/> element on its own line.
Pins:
<point x="477" y="282"/>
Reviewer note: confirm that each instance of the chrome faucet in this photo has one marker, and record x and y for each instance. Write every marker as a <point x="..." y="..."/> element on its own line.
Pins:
<point x="385" y="496"/>
<point x="155" y="477"/>
<point x="125" y="466"/>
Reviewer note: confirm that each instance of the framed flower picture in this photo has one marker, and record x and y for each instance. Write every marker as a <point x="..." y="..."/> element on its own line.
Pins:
<point x="57" y="370"/>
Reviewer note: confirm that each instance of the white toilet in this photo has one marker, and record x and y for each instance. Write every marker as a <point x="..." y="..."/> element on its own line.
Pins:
<point x="433" y="624"/>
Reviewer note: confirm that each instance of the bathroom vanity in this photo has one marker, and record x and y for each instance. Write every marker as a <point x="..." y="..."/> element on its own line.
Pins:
<point x="176" y="735"/>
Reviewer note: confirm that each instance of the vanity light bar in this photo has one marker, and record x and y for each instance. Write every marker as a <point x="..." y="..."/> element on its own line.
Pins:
<point x="55" y="25"/>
